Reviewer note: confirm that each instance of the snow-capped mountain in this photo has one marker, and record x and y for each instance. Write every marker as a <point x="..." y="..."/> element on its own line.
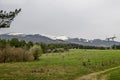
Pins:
<point x="16" y="34"/>
<point x="49" y="36"/>
<point x="56" y="37"/>
<point x="30" y="37"/>
<point x="62" y="37"/>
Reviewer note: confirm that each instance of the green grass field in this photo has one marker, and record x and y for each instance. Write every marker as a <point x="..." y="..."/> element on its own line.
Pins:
<point x="61" y="66"/>
<point x="111" y="75"/>
<point x="114" y="75"/>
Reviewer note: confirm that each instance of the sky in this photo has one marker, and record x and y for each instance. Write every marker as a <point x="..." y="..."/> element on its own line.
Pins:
<point x="90" y="19"/>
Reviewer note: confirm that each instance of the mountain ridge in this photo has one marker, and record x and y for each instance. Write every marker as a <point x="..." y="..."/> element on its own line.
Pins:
<point x="58" y="39"/>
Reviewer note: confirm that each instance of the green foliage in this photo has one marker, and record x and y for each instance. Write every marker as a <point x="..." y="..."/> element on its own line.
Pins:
<point x="79" y="46"/>
<point x="49" y="48"/>
<point x="29" y="45"/>
<point x="22" y="43"/>
<point x="36" y="50"/>
<point x="3" y="44"/>
<point x="116" y="47"/>
<point x="14" y="42"/>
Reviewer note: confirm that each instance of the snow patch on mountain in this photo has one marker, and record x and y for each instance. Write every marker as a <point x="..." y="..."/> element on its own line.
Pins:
<point x="49" y="36"/>
<point x="62" y="37"/>
<point x="17" y="34"/>
<point x="56" y="37"/>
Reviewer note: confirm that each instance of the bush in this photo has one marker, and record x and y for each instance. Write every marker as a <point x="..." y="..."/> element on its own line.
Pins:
<point x="15" y="55"/>
<point x="3" y="56"/>
<point x="36" y="51"/>
<point x="27" y="56"/>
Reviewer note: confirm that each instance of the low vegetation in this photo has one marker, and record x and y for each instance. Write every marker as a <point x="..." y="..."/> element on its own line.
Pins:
<point x="113" y="74"/>
<point x="18" y="51"/>
<point x="61" y="66"/>
<point x="36" y="51"/>
<point x="15" y="50"/>
<point x="15" y="55"/>
<point x="39" y="61"/>
<point x="19" y="54"/>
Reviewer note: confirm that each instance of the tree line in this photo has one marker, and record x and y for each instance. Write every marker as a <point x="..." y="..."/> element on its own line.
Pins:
<point x="15" y="50"/>
<point x="116" y="46"/>
<point x="46" y="48"/>
<point x="79" y="46"/>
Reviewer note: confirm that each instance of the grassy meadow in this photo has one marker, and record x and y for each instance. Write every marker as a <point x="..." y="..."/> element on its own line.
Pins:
<point x="61" y="66"/>
<point x="114" y="75"/>
<point x="111" y="75"/>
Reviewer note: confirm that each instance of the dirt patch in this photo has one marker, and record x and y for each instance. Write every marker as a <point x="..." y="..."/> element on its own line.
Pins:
<point x="93" y="76"/>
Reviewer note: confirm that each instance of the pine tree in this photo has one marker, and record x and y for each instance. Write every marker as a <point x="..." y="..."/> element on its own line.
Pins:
<point x="7" y="18"/>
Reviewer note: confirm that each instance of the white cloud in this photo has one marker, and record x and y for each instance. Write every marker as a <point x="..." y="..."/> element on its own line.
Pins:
<point x="81" y="18"/>
<point x="12" y="2"/>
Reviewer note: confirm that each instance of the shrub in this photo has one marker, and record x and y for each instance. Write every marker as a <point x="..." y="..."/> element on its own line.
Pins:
<point x="15" y="55"/>
<point x="36" y="51"/>
<point x="3" y="56"/>
<point x="27" y="56"/>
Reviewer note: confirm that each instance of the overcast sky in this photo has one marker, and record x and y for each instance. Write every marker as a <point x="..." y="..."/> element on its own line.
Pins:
<point x="73" y="18"/>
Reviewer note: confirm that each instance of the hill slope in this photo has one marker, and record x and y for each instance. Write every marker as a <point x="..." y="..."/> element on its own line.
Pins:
<point x="61" y="39"/>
